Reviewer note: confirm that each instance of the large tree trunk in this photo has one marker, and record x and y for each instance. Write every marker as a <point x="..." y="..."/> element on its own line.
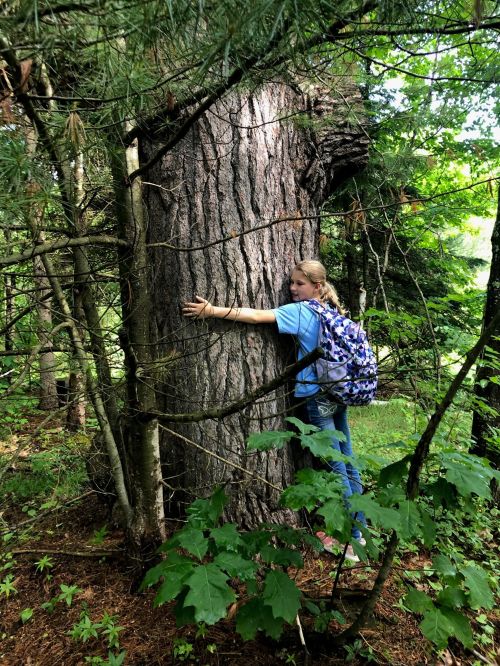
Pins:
<point x="486" y="421"/>
<point x="238" y="169"/>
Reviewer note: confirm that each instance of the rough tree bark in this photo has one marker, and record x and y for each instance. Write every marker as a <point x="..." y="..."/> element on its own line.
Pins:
<point x="275" y="154"/>
<point x="484" y="423"/>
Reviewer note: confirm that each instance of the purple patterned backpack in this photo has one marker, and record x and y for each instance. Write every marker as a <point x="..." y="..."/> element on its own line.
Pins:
<point x="348" y="370"/>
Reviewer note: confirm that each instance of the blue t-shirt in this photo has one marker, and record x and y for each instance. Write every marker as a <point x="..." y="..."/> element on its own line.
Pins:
<point x="299" y="320"/>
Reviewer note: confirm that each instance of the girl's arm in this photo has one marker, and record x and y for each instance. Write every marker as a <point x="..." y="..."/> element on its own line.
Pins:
<point x="202" y="309"/>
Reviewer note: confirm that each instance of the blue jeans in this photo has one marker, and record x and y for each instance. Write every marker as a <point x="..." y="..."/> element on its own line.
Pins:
<point x="327" y="415"/>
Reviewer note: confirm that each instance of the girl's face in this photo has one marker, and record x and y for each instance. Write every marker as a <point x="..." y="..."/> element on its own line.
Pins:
<point x="302" y="289"/>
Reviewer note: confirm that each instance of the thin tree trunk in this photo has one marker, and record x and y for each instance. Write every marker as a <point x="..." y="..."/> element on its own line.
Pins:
<point x="486" y="421"/>
<point x="46" y="361"/>
<point x="142" y="430"/>
<point x="76" y="390"/>
<point x="81" y="356"/>
<point x="9" y="289"/>
<point x="413" y="481"/>
<point x="239" y="168"/>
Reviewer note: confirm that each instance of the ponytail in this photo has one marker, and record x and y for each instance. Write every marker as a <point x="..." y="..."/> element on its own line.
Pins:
<point x="315" y="272"/>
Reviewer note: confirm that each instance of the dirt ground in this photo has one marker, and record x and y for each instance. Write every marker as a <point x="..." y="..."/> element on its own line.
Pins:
<point x="150" y="634"/>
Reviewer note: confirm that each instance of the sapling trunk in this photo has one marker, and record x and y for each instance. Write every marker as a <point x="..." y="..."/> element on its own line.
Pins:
<point x="412" y="485"/>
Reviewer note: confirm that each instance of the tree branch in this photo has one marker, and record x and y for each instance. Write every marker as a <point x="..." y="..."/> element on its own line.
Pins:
<point x="50" y="246"/>
<point x="217" y="457"/>
<point x="417" y="461"/>
<point x="210" y="97"/>
<point x="238" y="405"/>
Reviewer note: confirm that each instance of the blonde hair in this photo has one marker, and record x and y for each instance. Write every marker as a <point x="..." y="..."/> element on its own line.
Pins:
<point x="315" y="272"/>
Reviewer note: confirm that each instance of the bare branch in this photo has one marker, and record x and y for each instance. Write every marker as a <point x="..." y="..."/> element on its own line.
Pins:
<point x="51" y="246"/>
<point x="238" y="405"/>
<point x="295" y="218"/>
<point x="224" y="460"/>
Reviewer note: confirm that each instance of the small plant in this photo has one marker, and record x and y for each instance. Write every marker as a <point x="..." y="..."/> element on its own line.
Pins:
<point x="50" y="605"/>
<point x="85" y="628"/>
<point x="106" y="628"/>
<point x="25" y="615"/>
<point x="99" y="535"/>
<point x="7" y="586"/>
<point x="110" y="630"/>
<point x="112" y="660"/>
<point x="6" y="561"/>
<point x="67" y="594"/>
<point x="182" y="649"/>
<point x="44" y="564"/>
<point x="357" y="649"/>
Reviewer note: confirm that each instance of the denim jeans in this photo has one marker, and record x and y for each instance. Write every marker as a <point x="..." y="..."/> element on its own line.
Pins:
<point x="327" y="415"/>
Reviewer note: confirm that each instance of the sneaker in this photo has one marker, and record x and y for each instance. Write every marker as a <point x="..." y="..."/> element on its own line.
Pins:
<point x="351" y="555"/>
<point x="328" y="542"/>
<point x="362" y="541"/>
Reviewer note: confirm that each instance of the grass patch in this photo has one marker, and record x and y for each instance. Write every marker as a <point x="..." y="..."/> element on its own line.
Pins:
<point x="392" y="428"/>
<point x="57" y="472"/>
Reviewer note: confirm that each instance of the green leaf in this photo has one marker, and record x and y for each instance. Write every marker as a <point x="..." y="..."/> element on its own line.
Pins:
<point x="467" y="475"/>
<point x="312" y="488"/>
<point x="174" y="581"/>
<point x="208" y="593"/>
<point x="411" y="523"/>
<point x="253" y="541"/>
<point x="460" y="625"/>
<point x="337" y="519"/>
<point x="236" y="566"/>
<point x="264" y="441"/>
<point x="436" y="627"/>
<point x="394" y="473"/>
<point x="285" y="557"/>
<point x="193" y="540"/>
<point x="299" y="496"/>
<point x="442" y="492"/>
<point x="25" y="615"/>
<point x="444" y="566"/>
<point x="184" y="614"/>
<point x="418" y="601"/>
<point x="282" y="595"/>
<point x="175" y="565"/>
<point x="204" y="513"/>
<point x="303" y="428"/>
<point x="476" y="581"/>
<point x="428" y="528"/>
<point x="320" y="444"/>
<point x="255" y="616"/>
<point x="289" y="535"/>
<point x="452" y="596"/>
<point x="227" y="536"/>
<point x="378" y="515"/>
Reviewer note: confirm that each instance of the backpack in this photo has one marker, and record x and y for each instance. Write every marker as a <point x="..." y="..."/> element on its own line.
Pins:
<point x="348" y="370"/>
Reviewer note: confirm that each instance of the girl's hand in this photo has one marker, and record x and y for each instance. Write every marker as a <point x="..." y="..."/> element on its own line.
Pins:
<point x="201" y="310"/>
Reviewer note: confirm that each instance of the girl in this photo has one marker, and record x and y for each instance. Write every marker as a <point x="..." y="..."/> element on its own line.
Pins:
<point x="308" y="281"/>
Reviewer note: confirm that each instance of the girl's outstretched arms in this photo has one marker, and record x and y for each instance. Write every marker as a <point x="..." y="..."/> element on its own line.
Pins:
<point x="202" y="309"/>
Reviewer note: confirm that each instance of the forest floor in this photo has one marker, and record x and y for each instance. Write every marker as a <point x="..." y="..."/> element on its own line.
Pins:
<point x="150" y="633"/>
<point x="73" y="549"/>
